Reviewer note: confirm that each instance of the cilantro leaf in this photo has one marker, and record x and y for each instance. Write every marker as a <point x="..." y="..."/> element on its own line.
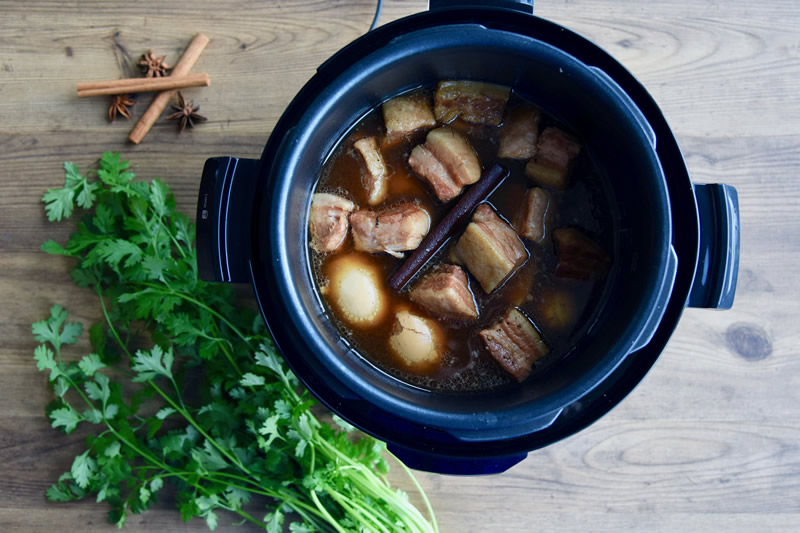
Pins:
<point x="93" y="415"/>
<point x="274" y="522"/>
<point x="150" y="363"/>
<point x="98" y="389"/>
<point x="164" y="412"/>
<point x="113" y="449"/>
<point x="209" y="458"/>
<point x="110" y="411"/>
<point x="211" y="520"/>
<point x="237" y="498"/>
<point x="59" y="492"/>
<point x="114" y="173"/>
<point x="150" y="302"/>
<point x="89" y="364"/>
<point x="250" y="380"/>
<point x="50" y="330"/>
<point x="53" y="248"/>
<point x="113" y="251"/>
<point x="156" y="484"/>
<point x="270" y="430"/>
<point x="60" y="387"/>
<point x="65" y="417"/>
<point x="59" y="203"/>
<point x="44" y="357"/>
<point x="83" y="468"/>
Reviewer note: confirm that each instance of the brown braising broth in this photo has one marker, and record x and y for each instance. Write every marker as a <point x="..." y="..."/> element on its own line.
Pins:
<point x="467" y="366"/>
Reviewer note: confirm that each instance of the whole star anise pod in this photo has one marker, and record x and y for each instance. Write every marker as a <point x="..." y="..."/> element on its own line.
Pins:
<point x="185" y="114"/>
<point x="120" y="104"/>
<point x="152" y="66"/>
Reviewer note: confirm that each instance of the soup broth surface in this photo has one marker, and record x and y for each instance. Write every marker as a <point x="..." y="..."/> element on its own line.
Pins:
<point x="465" y="364"/>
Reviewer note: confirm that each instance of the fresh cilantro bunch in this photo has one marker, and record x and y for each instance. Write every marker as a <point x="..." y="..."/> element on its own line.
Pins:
<point x="185" y="387"/>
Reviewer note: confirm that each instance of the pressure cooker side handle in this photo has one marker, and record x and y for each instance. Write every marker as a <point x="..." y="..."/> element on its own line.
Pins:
<point x="526" y="6"/>
<point x="457" y="466"/>
<point x="224" y="207"/>
<point x="718" y="262"/>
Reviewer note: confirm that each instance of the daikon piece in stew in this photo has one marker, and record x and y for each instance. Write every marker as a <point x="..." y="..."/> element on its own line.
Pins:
<point x="518" y="283"/>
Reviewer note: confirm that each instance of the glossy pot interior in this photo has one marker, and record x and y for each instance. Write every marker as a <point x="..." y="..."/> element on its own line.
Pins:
<point x="614" y="132"/>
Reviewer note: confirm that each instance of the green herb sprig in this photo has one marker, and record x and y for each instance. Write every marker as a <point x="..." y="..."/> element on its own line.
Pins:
<point x="185" y="386"/>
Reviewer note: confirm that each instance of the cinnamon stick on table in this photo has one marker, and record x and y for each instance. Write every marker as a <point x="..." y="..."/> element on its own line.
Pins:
<point x="187" y="61"/>
<point x="141" y="85"/>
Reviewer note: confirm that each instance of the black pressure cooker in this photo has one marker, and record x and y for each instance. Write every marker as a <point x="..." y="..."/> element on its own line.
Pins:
<point x="677" y="242"/>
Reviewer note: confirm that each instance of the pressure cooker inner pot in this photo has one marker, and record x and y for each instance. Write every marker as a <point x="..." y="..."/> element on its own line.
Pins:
<point x="609" y="128"/>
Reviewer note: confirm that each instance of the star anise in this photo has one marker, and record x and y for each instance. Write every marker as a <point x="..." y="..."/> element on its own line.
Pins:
<point x="120" y="104"/>
<point x="152" y="66"/>
<point x="185" y="114"/>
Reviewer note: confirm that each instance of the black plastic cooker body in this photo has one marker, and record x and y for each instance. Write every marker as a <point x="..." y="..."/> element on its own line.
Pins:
<point x="677" y="244"/>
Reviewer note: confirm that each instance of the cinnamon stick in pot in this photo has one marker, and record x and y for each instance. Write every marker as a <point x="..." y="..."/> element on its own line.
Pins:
<point x="476" y="194"/>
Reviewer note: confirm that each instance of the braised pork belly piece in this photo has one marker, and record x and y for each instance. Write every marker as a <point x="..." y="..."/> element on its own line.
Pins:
<point x="433" y="171"/>
<point x="393" y="230"/>
<point x="405" y="114"/>
<point x="489" y="248"/>
<point x="534" y="214"/>
<point x="445" y="293"/>
<point x="519" y="133"/>
<point x="375" y="178"/>
<point x="579" y="256"/>
<point x="446" y="161"/>
<point x="555" y="150"/>
<point x="327" y="221"/>
<point x="515" y="344"/>
<point x="471" y="101"/>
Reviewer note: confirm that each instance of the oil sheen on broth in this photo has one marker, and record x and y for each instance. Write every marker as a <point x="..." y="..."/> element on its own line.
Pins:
<point x="559" y="295"/>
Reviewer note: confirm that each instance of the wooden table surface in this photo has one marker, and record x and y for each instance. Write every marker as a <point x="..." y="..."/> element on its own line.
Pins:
<point x="709" y="441"/>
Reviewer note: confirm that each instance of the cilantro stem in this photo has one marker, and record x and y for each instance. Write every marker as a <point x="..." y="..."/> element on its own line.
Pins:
<point x="294" y="500"/>
<point x="189" y="418"/>
<point x="369" y="519"/>
<point x="420" y="490"/>
<point x="198" y="303"/>
<point x="282" y="497"/>
<point x="371" y="484"/>
<point x="325" y="512"/>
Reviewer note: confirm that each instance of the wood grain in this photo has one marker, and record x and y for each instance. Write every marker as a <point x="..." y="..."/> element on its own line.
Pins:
<point x="707" y="442"/>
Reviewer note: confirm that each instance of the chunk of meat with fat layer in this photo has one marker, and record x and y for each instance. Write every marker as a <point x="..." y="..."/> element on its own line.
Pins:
<point x="515" y="344"/>
<point x="445" y="292"/>
<point x="424" y="163"/>
<point x="393" y="230"/>
<point x="447" y="162"/>
<point x="375" y="178"/>
<point x="519" y="134"/>
<point x="534" y="214"/>
<point x="327" y="221"/>
<point x="555" y="151"/>
<point x="472" y="101"/>
<point x="404" y="114"/>
<point x="489" y="248"/>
